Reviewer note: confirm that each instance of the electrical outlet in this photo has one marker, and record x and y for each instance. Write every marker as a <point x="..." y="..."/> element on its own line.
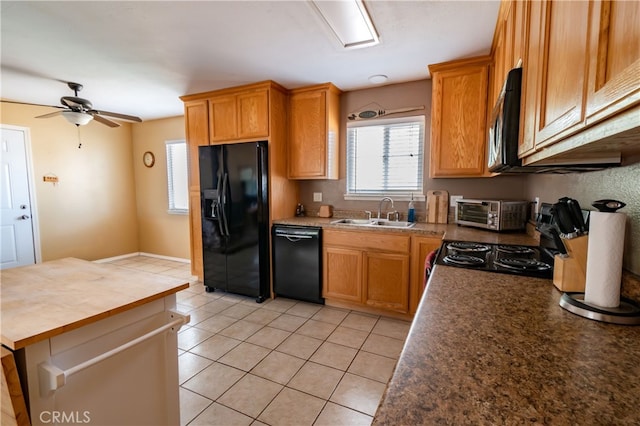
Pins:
<point x="453" y="199"/>
<point x="317" y="197"/>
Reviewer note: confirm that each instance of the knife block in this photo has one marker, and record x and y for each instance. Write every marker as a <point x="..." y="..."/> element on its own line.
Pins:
<point x="570" y="272"/>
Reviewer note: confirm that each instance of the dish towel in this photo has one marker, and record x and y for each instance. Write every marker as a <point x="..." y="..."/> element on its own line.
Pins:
<point x="428" y="265"/>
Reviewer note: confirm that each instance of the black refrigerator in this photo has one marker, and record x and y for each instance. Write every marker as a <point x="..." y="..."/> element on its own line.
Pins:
<point x="235" y="218"/>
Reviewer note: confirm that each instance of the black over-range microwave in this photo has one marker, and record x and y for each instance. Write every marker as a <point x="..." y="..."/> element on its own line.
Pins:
<point x="504" y="132"/>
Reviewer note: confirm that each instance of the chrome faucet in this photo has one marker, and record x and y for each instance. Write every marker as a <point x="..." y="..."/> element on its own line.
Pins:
<point x="380" y="205"/>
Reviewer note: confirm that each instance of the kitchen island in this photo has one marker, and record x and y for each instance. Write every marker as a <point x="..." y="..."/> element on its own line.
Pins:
<point x="93" y="343"/>
<point x="488" y="348"/>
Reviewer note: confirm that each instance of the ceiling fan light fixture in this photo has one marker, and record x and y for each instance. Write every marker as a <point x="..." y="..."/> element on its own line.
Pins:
<point x="349" y="21"/>
<point x="77" y="118"/>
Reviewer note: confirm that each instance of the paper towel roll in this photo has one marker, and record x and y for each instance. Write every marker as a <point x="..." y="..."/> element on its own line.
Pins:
<point x="604" y="259"/>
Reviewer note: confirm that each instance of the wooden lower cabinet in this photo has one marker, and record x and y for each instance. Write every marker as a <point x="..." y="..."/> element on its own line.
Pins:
<point x="386" y="278"/>
<point x="195" y="229"/>
<point x="367" y="269"/>
<point x="342" y="271"/>
<point x="420" y="249"/>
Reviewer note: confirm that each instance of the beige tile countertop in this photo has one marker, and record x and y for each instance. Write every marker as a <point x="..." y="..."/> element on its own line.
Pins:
<point x="489" y="348"/>
<point x="47" y="299"/>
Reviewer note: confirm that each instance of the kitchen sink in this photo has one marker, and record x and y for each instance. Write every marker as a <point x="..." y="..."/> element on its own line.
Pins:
<point x="385" y="223"/>
<point x="374" y="223"/>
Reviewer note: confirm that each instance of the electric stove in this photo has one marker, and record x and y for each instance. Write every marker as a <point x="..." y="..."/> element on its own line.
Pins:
<point x="506" y="259"/>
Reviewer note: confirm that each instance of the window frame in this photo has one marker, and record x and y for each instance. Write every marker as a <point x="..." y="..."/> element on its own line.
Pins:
<point x="171" y="181"/>
<point x="418" y="194"/>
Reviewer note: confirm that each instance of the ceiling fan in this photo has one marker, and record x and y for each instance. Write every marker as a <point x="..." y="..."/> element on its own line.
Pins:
<point x="80" y="111"/>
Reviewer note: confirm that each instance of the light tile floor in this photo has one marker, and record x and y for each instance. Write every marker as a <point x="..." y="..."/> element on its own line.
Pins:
<point x="281" y="362"/>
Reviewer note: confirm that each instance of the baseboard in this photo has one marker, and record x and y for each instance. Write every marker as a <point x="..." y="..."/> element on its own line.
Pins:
<point x="139" y="253"/>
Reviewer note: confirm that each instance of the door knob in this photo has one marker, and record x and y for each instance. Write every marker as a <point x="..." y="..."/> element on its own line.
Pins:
<point x="24" y="217"/>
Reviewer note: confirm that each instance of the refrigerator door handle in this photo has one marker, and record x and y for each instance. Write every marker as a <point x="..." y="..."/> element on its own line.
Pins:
<point x="224" y="204"/>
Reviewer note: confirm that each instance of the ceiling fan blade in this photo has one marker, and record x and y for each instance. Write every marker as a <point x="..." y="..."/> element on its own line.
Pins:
<point x="117" y="115"/>
<point x="51" y="114"/>
<point x="28" y="103"/>
<point x="105" y="121"/>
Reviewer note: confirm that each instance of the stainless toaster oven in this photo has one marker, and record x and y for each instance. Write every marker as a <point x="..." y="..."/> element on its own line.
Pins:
<point x="495" y="215"/>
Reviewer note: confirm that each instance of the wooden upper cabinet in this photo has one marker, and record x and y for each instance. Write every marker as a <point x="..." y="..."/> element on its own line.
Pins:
<point x="313" y="132"/>
<point x="459" y="118"/>
<point x="564" y="33"/>
<point x="530" y="71"/>
<point x="223" y="118"/>
<point x="253" y="114"/>
<point x="239" y="116"/>
<point x="508" y="45"/>
<point x="498" y="65"/>
<point x="614" y="52"/>
<point x="197" y="133"/>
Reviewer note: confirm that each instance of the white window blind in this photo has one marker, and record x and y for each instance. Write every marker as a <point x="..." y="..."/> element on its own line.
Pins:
<point x="177" y="175"/>
<point x="385" y="157"/>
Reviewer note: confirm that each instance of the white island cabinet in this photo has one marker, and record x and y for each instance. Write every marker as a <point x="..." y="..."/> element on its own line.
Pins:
<point x="94" y="344"/>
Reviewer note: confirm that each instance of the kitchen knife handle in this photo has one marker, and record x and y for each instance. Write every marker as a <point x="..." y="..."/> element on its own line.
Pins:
<point x="576" y="214"/>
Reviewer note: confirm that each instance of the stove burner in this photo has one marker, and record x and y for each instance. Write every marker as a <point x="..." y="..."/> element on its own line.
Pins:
<point x="517" y="250"/>
<point x="520" y="264"/>
<point x="468" y="247"/>
<point x="463" y="260"/>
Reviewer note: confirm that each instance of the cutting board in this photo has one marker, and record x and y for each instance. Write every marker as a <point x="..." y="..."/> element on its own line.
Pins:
<point x="437" y="206"/>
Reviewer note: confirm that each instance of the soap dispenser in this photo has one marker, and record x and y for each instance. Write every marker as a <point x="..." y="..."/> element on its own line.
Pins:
<point x="411" y="214"/>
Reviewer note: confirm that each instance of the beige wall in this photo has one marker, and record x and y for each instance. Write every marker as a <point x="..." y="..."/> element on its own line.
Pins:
<point x="417" y="93"/>
<point x="91" y="212"/>
<point x="159" y="232"/>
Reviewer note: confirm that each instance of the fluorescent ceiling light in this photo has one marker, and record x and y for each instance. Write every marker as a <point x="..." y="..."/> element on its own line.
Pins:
<point x="77" y="118"/>
<point x="349" y="21"/>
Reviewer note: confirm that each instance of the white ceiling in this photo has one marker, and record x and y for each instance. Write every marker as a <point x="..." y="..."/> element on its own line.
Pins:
<point x="138" y="57"/>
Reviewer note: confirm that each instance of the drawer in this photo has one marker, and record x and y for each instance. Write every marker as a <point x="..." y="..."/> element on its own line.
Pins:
<point x="367" y="240"/>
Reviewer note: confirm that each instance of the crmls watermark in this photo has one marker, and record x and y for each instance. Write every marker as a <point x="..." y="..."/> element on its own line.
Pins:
<point x="65" y="417"/>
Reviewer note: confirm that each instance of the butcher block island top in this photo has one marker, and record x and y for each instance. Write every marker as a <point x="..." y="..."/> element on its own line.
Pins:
<point x="47" y="299"/>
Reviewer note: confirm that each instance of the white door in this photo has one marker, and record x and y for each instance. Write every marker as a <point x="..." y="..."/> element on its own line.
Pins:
<point x="16" y="229"/>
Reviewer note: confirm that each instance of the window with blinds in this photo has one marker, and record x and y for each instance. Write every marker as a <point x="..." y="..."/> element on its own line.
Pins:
<point x="385" y="157"/>
<point x="177" y="175"/>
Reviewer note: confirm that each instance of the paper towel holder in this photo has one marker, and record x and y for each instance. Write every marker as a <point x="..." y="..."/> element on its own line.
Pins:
<point x="627" y="313"/>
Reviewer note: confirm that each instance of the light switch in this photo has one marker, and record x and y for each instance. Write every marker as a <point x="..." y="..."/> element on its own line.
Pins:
<point x="317" y="197"/>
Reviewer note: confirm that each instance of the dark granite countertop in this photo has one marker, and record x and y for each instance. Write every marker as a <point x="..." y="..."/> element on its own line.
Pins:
<point x="488" y="348"/>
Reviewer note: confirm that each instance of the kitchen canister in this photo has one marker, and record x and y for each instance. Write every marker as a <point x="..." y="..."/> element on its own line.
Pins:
<point x="604" y="257"/>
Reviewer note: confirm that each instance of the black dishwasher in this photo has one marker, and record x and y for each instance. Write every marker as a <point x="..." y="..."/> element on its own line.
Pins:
<point x="297" y="262"/>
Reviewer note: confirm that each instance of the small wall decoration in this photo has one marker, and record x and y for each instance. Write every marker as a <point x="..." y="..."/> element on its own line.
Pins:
<point x="148" y="159"/>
